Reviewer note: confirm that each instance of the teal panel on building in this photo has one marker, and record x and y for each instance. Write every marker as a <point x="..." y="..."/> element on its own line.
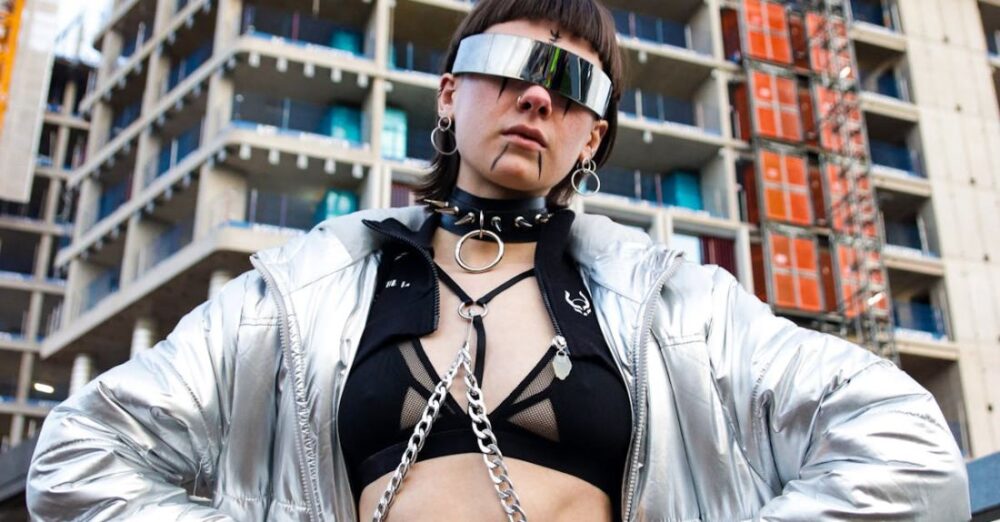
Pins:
<point x="394" y="129"/>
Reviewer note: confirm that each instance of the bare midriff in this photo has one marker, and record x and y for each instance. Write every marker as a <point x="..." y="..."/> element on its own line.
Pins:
<point x="457" y="487"/>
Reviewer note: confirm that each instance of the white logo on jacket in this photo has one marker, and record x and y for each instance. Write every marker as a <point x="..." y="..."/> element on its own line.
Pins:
<point x="580" y="304"/>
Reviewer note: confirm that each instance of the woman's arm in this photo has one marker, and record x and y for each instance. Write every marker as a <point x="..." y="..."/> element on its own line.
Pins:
<point x="134" y="441"/>
<point x="851" y="436"/>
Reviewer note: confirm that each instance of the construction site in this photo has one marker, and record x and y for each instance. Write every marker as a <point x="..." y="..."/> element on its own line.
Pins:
<point x="840" y="158"/>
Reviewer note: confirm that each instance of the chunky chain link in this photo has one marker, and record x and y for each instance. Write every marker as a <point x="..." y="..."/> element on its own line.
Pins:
<point x="419" y="436"/>
<point x="499" y="474"/>
<point x="492" y="456"/>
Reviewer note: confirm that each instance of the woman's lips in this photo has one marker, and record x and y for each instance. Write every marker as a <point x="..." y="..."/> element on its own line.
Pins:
<point x="523" y="142"/>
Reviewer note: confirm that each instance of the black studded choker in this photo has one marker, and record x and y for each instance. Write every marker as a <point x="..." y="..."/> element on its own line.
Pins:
<point x="514" y="220"/>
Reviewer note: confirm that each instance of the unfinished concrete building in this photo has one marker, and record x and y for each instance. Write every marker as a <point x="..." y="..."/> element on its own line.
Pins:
<point x="842" y="159"/>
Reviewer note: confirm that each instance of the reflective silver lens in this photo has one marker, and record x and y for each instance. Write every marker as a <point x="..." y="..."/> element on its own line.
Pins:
<point x="536" y="62"/>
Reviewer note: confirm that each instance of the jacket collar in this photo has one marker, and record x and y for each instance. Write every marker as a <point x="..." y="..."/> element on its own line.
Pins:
<point x="617" y="257"/>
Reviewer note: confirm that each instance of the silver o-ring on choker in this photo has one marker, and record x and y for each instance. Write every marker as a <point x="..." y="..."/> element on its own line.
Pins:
<point x="480" y="233"/>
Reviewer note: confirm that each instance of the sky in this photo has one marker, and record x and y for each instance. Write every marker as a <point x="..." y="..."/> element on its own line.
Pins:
<point x="77" y="15"/>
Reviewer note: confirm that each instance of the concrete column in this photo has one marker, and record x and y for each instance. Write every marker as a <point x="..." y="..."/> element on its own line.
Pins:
<point x="227" y="24"/>
<point x="82" y="373"/>
<point x="23" y="386"/>
<point x="143" y="335"/>
<point x="217" y="281"/>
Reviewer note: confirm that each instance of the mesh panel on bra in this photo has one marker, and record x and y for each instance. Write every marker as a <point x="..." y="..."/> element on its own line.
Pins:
<point x="417" y="370"/>
<point x="539" y="419"/>
<point x="541" y="382"/>
<point x="413" y="407"/>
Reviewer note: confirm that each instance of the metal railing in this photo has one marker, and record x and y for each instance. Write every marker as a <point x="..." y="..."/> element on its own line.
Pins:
<point x="166" y="244"/>
<point x="897" y="157"/>
<point x="284" y="114"/>
<point x="105" y="284"/>
<point x="282" y="212"/>
<point x="906" y="235"/>
<point x="123" y="118"/>
<point x="31" y="210"/>
<point x="919" y="317"/>
<point x="112" y="197"/>
<point x="876" y="12"/>
<point x="301" y="28"/>
<point x="130" y="45"/>
<point x="652" y="29"/>
<point x="187" y="65"/>
<point x="668" y="109"/>
<point x="408" y="56"/>
<point x="173" y="152"/>
<point x="654" y="188"/>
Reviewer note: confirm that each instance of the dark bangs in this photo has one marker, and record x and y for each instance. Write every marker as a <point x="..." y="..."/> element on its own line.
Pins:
<point x="585" y="19"/>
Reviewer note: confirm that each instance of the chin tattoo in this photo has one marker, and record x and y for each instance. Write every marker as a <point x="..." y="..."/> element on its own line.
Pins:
<point x="497" y="159"/>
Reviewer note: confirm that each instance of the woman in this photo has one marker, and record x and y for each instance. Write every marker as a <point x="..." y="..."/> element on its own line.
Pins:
<point x="401" y="365"/>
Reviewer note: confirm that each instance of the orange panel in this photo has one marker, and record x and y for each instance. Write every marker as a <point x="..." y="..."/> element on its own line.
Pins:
<point x="767" y="124"/>
<point x="774" y="199"/>
<point x="781" y="252"/>
<point x="762" y="87"/>
<point x="790" y="125"/>
<point x="805" y="255"/>
<point x="771" y="166"/>
<point x="754" y="12"/>
<point x="786" y="91"/>
<point x="809" y="294"/>
<point x="799" y="211"/>
<point x="776" y="17"/>
<point x="781" y="50"/>
<point x="784" y="290"/>
<point x="795" y="168"/>
<point x="757" y="44"/>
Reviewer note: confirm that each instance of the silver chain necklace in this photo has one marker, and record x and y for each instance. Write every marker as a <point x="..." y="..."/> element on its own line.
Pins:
<point x="492" y="457"/>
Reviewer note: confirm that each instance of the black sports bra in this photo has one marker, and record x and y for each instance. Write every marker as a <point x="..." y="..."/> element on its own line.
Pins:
<point x="580" y="425"/>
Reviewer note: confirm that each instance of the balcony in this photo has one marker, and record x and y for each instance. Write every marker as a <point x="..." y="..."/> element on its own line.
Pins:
<point x="989" y="13"/>
<point x="881" y="13"/>
<point x="131" y="42"/>
<point x="173" y="152"/>
<point x="301" y="28"/>
<point x="103" y="285"/>
<point x="18" y="252"/>
<point x="165" y="244"/>
<point x="123" y="118"/>
<point x="677" y="188"/>
<point x="897" y="158"/>
<point x="661" y="108"/>
<point x="907" y="236"/>
<point x="112" y="197"/>
<point x="298" y="211"/>
<point x="14" y="315"/>
<point x="408" y="56"/>
<point x="184" y="67"/>
<point x="679" y="24"/>
<point x="651" y="29"/>
<point x="285" y="115"/>
<point x="918" y="319"/>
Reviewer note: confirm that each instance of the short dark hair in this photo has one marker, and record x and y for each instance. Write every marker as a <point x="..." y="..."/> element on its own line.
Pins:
<point x="585" y="19"/>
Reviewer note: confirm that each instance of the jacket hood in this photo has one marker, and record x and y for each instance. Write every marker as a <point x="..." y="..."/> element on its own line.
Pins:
<point x="599" y="245"/>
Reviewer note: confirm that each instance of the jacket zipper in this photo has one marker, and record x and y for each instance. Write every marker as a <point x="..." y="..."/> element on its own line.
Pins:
<point x="638" y="362"/>
<point x="283" y="335"/>
<point x="548" y="304"/>
<point x="430" y="262"/>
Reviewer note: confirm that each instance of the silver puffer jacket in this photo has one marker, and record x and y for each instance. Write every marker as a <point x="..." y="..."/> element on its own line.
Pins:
<point x="737" y="414"/>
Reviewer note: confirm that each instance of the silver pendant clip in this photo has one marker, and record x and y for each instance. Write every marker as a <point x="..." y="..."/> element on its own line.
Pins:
<point x="561" y="364"/>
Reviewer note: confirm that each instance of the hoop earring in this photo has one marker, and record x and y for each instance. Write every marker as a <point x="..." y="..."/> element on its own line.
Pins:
<point x="589" y="170"/>
<point x="444" y="125"/>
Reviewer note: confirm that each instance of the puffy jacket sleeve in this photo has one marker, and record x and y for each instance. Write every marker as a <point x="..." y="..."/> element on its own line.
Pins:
<point x="849" y="435"/>
<point x="135" y="440"/>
